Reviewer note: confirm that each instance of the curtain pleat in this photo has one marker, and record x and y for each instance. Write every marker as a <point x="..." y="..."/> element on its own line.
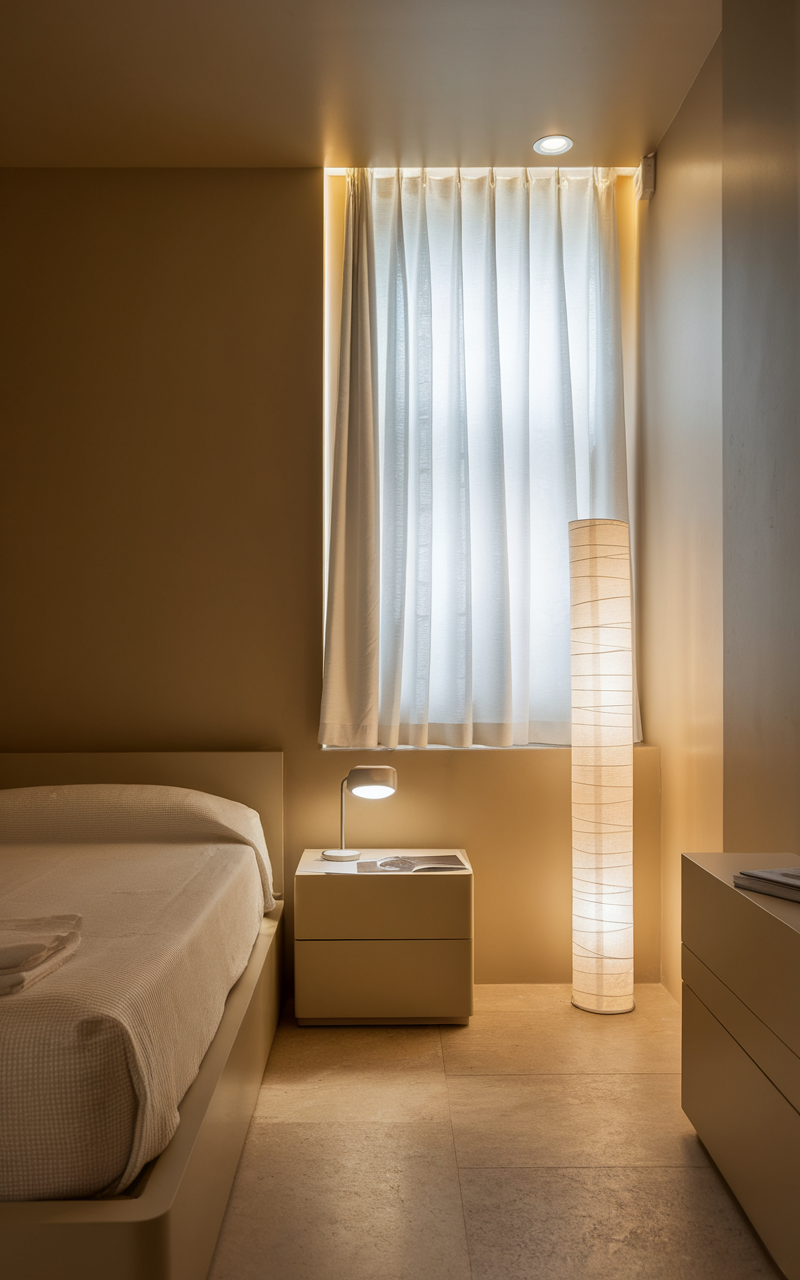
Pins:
<point x="352" y="627"/>
<point x="491" y="619"/>
<point x="480" y="410"/>
<point x="415" y="683"/>
<point x="553" y="500"/>
<point x="393" y="393"/>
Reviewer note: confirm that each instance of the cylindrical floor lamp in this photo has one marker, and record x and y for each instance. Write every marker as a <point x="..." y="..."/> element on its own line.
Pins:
<point x="602" y="766"/>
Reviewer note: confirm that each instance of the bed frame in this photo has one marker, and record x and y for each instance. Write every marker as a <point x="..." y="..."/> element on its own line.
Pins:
<point x="165" y="1226"/>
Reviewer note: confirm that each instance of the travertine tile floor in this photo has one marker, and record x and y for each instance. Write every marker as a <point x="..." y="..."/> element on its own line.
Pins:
<point x="539" y="1142"/>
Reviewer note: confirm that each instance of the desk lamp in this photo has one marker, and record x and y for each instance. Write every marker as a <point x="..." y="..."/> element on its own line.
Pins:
<point x="370" y="782"/>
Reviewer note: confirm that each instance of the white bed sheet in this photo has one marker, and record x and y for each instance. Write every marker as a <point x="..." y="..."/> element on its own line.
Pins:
<point x="95" y="1058"/>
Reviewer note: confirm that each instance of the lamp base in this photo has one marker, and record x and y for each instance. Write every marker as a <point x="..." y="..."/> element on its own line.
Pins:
<point x="341" y="855"/>
<point x="587" y="1008"/>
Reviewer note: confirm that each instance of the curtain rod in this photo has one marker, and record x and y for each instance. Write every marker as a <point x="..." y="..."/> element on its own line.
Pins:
<point x="624" y="171"/>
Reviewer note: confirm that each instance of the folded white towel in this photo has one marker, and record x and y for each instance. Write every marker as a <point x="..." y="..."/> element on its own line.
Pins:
<point x="32" y="948"/>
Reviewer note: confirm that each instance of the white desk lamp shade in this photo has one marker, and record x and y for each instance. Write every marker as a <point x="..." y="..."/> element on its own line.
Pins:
<point x="372" y="783"/>
<point x="602" y="766"/>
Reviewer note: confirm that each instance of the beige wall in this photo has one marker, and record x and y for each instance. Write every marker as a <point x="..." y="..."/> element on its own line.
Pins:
<point x="720" y="388"/>
<point x="680" y="572"/>
<point x="161" y="540"/>
<point x="761" y="366"/>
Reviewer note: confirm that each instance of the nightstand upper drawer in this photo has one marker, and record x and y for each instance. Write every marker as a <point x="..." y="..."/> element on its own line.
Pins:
<point x="352" y="905"/>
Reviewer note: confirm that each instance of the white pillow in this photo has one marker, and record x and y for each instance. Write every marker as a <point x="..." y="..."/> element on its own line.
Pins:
<point x="131" y="814"/>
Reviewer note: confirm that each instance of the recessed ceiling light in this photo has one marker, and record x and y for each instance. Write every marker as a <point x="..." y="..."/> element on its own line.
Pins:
<point x="555" y="144"/>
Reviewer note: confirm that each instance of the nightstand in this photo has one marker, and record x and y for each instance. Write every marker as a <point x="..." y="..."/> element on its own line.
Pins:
<point x="389" y="947"/>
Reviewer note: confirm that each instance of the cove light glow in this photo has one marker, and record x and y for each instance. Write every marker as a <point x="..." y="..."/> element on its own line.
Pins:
<point x="555" y="144"/>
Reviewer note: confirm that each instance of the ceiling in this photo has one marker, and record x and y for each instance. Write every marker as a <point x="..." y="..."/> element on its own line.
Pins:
<point x="338" y="82"/>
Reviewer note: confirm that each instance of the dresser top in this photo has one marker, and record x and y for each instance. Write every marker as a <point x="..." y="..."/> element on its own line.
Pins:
<point x="725" y="865"/>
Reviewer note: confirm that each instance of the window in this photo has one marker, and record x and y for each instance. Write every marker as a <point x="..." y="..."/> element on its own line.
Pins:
<point x="479" y="408"/>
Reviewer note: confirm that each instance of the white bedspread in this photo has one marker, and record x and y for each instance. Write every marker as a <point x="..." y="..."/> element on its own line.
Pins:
<point x="132" y="812"/>
<point x="95" y="1058"/>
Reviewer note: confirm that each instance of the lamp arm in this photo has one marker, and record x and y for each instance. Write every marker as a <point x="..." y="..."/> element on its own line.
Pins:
<point x="341" y="814"/>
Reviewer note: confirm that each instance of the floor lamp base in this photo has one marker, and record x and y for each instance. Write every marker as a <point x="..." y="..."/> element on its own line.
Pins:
<point x="605" y="1012"/>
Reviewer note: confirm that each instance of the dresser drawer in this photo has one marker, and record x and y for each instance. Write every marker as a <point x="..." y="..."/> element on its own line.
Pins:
<point x="752" y="1133"/>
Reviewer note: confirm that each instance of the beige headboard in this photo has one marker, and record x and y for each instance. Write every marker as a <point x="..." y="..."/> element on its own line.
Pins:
<point x="254" y="778"/>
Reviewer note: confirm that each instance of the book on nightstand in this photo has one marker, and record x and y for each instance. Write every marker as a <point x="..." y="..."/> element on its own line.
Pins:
<point x="782" y="882"/>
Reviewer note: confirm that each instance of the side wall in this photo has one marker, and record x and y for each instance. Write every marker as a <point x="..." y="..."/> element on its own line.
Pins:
<point x="680" y="572"/>
<point x="161" y="540"/>
<point x="761" y="367"/>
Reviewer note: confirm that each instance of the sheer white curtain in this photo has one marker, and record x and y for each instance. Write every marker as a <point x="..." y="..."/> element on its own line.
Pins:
<point x="480" y="409"/>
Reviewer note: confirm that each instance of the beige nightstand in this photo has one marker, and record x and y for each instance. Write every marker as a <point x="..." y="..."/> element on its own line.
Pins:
<point x="387" y="947"/>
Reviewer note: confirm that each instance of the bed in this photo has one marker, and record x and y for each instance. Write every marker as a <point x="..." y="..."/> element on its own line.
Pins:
<point x="123" y="1210"/>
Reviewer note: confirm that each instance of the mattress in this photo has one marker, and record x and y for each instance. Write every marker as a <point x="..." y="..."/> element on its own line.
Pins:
<point x="95" y="1058"/>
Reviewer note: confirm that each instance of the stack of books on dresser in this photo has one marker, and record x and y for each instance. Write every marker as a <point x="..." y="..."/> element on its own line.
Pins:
<point x="782" y="882"/>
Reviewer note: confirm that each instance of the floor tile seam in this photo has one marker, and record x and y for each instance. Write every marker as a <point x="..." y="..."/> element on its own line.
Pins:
<point x="458" y="1173"/>
<point x="567" y="1010"/>
<point x="563" y="1075"/>
<point x="386" y="1124"/>
<point x="350" y="1123"/>
<point x="384" y="1069"/>
<point x="552" y="1075"/>
<point x="441" y="1048"/>
<point x="596" y="1168"/>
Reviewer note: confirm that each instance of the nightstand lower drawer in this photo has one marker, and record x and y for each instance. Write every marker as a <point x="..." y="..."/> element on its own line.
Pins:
<point x="385" y="978"/>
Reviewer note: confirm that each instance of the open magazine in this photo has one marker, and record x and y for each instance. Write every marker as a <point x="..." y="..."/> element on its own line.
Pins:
<point x="410" y="863"/>
<point x="780" y="882"/>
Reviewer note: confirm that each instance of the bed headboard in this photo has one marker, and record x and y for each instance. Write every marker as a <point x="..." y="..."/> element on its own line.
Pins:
<point x="254" y="778"/>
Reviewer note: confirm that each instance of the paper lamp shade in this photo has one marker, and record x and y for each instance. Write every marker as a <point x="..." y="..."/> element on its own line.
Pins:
<point x="602" y="766"/>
